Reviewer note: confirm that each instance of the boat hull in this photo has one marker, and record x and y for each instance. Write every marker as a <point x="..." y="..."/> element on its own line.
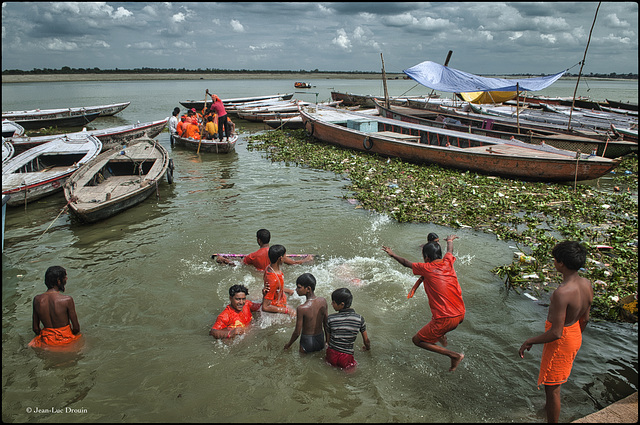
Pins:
<point x="207" y="145"/>
<point x="421" y="145"/>
<point x="34" y="123"/>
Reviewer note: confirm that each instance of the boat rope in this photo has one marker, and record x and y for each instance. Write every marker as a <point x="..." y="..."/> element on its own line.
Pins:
<point x="71" y="199"/>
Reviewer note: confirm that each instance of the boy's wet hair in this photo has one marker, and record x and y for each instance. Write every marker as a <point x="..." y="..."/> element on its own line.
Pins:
<point x="264" y="235"/>
<point x="570" y="253"/>
<point x="432" y="251"/>
<point x="306" y="280"/>
<point x="432" y="237"/>
<point x="342" y="295"/>
<point x="238" y="288"/>
<point x="53" y="275"/>
<point x="275" y="252"/>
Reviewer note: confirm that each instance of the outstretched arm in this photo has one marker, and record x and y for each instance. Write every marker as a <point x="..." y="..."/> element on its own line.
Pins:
<point x="449" y="240"/>
<point x="415" y="286"/>
<point x="399" y="259"/>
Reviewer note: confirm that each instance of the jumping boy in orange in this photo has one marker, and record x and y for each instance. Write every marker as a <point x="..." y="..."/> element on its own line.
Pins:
<point x="569" y="308"/>
<point x="55" y="311"/>
<point x="445" y="297"/>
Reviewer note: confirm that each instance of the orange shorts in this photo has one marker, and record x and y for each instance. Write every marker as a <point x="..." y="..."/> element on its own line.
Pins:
<point x="557" y="356"/>
<point x="437" y="328"/>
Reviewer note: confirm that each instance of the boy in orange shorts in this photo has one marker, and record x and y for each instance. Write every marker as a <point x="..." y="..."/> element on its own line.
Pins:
<point x="445" y="297"/>
<point x="569" y="308"/>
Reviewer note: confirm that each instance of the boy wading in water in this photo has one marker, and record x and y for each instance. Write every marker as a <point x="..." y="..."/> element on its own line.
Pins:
<point x="310" y="316"/>
<point x="445" y="297"/>
<point x="569" y="308"/>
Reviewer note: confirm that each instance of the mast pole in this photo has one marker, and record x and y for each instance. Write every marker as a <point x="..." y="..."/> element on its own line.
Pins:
<point x="582" y="65"/>
<point x="384" y="83"/>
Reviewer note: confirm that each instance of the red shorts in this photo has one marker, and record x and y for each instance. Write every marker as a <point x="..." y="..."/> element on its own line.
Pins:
<point x="437" y="328"/>
<point x="342" y="360"/>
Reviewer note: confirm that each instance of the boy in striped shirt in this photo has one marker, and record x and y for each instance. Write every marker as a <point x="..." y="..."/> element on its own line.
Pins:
<point x="342" y="330"/>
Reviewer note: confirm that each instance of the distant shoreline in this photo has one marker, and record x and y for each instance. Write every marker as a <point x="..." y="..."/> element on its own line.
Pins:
<point x="38" y="78"/>
<point x="231" y="76"/>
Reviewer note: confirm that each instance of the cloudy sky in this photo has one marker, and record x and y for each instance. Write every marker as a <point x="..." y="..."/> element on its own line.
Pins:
<point x="486" y="38"/>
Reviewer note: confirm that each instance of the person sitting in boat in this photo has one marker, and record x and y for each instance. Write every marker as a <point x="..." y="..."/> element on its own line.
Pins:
<point x="193" y="130"/>
<point x="211" y="129"/>
<point x="236" y="316"/>
<point x="182" y="125"/>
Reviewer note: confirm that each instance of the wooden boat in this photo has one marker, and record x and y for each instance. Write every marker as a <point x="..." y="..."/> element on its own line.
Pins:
<point x="622" y="105"/>
<point x="199" y="104"/>
<point x="117" y="179"/>
<point x="11" y="129"/>
<point x="268" y="115"/>
<point x="301" y="85"/>
<point x="38" y="118"/>
<point x="43" y="170"/>
<point x="110" y="137"/>
<point x="7" y="150"/>
<point x="72" y="119"/>
<point x="485" y="126"/>
<point x="364" y="100"/>
<point x="487" y="96"/>
<point x="207" y="145"/>
<point x="423" y="144"/>
<point x="291" y="123"/>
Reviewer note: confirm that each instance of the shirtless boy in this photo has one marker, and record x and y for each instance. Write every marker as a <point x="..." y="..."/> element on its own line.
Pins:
<point x="57" y="313"/>
<point x="569" y="308"/>
<point x="445" y="297"/>
<point x="310" y="315"/>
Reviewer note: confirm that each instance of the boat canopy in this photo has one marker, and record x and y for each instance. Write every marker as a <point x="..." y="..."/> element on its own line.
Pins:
<point x="443" y="78"/>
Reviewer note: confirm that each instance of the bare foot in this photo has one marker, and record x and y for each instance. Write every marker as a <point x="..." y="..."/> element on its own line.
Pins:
<point x="443" y="340"/>
<point x="455" y="362"/>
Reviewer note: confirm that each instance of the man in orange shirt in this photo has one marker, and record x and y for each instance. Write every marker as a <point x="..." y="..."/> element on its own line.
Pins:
<point x="182" y="125"/>
<point x="236" y="316"/>
<point x="445" y="298"/>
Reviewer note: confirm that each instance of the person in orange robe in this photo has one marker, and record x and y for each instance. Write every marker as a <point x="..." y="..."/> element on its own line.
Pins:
<point x="182" y="125"/>
<point x="569" y="308"/>
<point x="274" y="298"/>
<point x="236" y="316"/>
<point x="193" y="131"/>
<point x="57" y="312"/>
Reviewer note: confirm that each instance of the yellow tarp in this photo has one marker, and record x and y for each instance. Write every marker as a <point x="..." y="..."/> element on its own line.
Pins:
<point x="488" y="96"/>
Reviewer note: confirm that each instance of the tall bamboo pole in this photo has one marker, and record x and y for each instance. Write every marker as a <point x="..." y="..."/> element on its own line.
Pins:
<point x="384" y="83"/>
<point x="581" y="66"/>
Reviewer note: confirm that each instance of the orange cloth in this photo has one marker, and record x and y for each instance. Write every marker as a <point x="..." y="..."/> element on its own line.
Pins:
<point x="442" y="286"/>
<point x="557" y="356"/>
<point x="182" y="125"/>
<point x="54" y="337"/>
<point x="258" y="259"/>
<point x="230" y="318"/>
<point x="193" y="132"/>
<point x="276" y="287"/>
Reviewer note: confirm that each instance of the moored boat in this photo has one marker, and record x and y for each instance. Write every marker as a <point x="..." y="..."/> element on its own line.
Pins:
<point x="7" y="150"/>
<point x="117" y="179"/>
<point x="485" y="126"/>
<point x="454" y="149"/>
<point x="41" y="171"/>
<point x="11" y="129"/>
<point x="110" y="137"/>
<point x="198" y="105"/>
<point x="207" y="145"/>
<point x="39" y="118"/>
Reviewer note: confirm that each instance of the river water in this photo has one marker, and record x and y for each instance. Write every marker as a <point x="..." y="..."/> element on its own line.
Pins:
<point x="147" y="292"/>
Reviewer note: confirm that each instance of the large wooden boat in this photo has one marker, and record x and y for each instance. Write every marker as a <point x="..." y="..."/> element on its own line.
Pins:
<point x="199" y="104"/>
<point x="207" y="145"/>
<point x="61" y="117"/>
<point x="43" y="170"/>
<point x="7" y="150"/>
<point x="110" y="137"/>
<point x="484" y="126"/>
<point x="423" y="144"/>
<point x="117" y="179"/>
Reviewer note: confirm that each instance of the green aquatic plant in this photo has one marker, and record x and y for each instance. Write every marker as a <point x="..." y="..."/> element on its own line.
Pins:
<point x="533" y="215"/>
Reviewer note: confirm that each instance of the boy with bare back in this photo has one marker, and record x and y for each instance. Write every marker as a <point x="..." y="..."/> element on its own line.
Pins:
<point x="569" y="308"/>
<point x="57" y="312"/>
<point x="445" y="297"/>
<point x="310" y="316"/>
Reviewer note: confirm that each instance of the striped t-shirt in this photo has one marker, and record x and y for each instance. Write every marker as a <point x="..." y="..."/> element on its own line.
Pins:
<point x="343" y="329"/>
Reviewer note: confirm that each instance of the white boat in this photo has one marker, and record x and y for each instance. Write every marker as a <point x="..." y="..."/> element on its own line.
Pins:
<point x="11" y="129"/>
<point x="41" y="171"/>
<point x="110" y="137"/>
<point x="117" y="179"/>
<point x="102" y="110"/>
<point x="7" y="151"/>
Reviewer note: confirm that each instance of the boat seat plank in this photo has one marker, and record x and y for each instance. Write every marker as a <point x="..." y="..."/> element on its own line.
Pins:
<point x="399" y="136"/>
<point x="115" y="185"/>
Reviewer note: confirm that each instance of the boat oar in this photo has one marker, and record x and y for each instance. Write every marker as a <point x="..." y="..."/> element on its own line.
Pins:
<point x="205" y="107"/>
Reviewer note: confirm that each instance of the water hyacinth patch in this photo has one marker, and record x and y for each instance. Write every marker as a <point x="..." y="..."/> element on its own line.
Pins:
<point x="535" y="216"/>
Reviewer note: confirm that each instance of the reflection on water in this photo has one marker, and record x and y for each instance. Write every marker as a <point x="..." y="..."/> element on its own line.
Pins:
<point x="147" y="291"/>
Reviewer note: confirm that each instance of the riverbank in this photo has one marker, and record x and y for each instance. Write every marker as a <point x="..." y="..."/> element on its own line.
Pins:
<point x="622" y="411"/>
<point x="302" y="76"/>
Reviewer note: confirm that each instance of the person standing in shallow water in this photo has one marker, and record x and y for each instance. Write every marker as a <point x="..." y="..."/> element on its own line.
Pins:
<point x="310" y="317"/>
<point x="569" y="309"/>
<point x="445" y="297"/>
